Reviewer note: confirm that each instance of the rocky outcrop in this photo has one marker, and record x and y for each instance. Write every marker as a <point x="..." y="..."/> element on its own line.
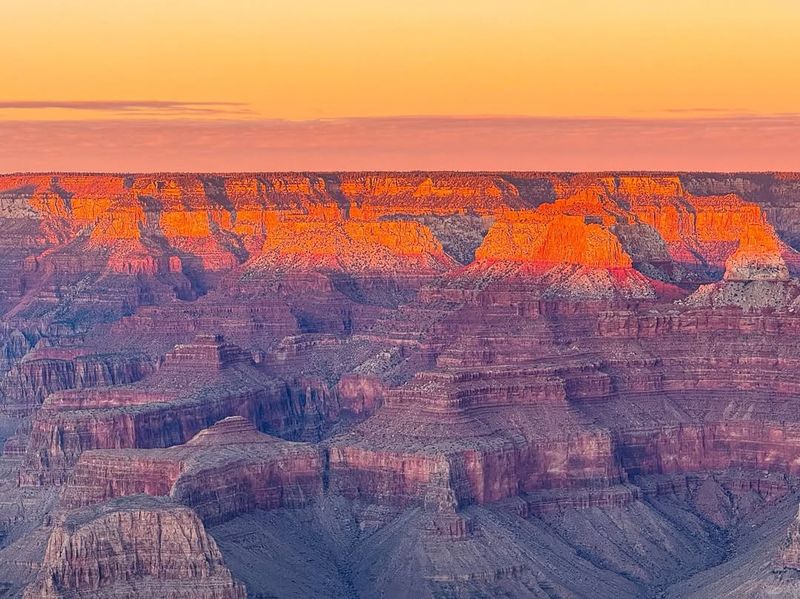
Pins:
<point x="789" y="556"/>
<point x="360" y="393"/>
<point x="45" y="371"/>
<point x="756" y="276"/>
<point x="757" y="258"/>
<point x="472" y="436"/>
<point x="225" y="470"/>
<point x="562" y="239"/>
<point x="159" y="224"/>
<point x="199" y="384"/>
<point x="564" y="255"/>
<point x="548" y="349"/>
<point x="135" y="547"/>
<point x="349" y="245"/>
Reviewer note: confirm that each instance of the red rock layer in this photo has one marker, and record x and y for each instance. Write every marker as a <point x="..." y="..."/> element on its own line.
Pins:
<point x="372" y="246"/>
<point x="756" y="277"/>
<point x="225" y="470"/>
<point x="219" y="221"/>
<point x="47" y="370"/>
<point x="555" y="369"/>
<point x="474" y="434"/>
<point x="758" y="257"/>
<point x="519" y="397"/>
<point x="137" y="547"/>
<point x="563" y="239"/>
<point x="199" y="384"/>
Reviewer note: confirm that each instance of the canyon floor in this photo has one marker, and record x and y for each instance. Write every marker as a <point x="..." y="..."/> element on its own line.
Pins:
<point x="400" y="385"/>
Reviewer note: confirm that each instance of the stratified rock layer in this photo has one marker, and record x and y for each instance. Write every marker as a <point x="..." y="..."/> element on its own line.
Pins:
<point x="136" y="547"/>
<point x="225" y="470"/>
<point x="441" y="359"/>
<point x="198" y="384"/>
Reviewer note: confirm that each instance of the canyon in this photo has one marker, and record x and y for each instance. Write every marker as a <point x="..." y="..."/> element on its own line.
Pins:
<point x="399" y="384"/>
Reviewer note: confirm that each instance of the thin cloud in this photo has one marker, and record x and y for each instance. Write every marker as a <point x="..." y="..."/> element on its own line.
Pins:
<point x="142" y="107"/>
<point x="703" y="142"/>
<point x="708" y="110"/>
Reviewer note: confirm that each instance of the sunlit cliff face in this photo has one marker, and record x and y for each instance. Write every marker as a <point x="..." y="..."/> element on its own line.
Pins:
<point x="363" y="223"/>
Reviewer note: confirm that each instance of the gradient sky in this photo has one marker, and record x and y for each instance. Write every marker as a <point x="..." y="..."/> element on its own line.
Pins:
<point x="370" y="84"/>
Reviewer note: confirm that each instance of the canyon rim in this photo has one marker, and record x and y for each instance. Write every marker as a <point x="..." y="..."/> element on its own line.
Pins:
<point x="368" y="299"/>
<point x="400" y="384"/>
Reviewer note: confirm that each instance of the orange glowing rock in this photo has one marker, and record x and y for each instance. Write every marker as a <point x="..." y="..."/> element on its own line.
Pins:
<point x="250" y="221"/>
<point x="292" y="184"/>
<point x="373" y="196"/>
<point x="591" y="200"/>
<point x="564" y="239"/>
<point x="422" y="186"/>
<point x="89" y="209"/>
<point x="660" y="202"/>
<point x="593" y="220"/>
<point x="185" y="224"/>
<point x="49" y="203"/>
<point x="726" y="218"/>
<point x="759" y="238"/>
<point x="630" y="186"/>
<point x="355" y="245"/>
<point x="173" y="192"/>
<point x="117" y="225"/>
<point x="758" y="257"/>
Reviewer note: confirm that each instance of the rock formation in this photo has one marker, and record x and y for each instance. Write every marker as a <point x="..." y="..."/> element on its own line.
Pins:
<point x="757" y="258"/>
<point x="790" y="551"/>
<point x="439" y="384"/>
<point x="135" y="547"/>
<point x="225" y="470"/>
<point x="199" y="383"/>
<point x="47" y="370"/>
<point x="756" y="276"/>
<point x="349" y="245"/>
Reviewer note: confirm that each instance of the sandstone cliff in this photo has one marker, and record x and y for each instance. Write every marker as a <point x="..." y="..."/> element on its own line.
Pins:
<point x="488" y="372"/>
<point x="135" y="547"/>
<point x="198" y="384"/>
<point x="225" y="470"/>
<point x="756" y="276"/>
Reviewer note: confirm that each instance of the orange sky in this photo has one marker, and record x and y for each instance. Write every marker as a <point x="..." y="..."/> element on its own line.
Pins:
<point x="79" y="72"/>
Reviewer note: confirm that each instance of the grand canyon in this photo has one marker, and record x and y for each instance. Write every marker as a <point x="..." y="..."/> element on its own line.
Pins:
<point x="412" y="384"/>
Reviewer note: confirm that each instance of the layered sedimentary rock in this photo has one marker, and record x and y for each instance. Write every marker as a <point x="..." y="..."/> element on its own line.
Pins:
<point x="473" y="436"/>
<point x="198" y="384"/>
<point x="563" y="239"/>
<point x="225" y="470"/>
<point x="377" y="246"/>
<point x="757" y="258"/>
<point x="756" y="276"/>
<point x="134" y="547"/>
<point x="198" y="223"/>
<point x="463" y="356"/>
<point x="567" y="255"/>
<point x="47" y="370"/>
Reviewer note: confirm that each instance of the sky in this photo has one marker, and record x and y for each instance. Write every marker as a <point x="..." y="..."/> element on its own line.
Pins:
<point x="235" y="85"/>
